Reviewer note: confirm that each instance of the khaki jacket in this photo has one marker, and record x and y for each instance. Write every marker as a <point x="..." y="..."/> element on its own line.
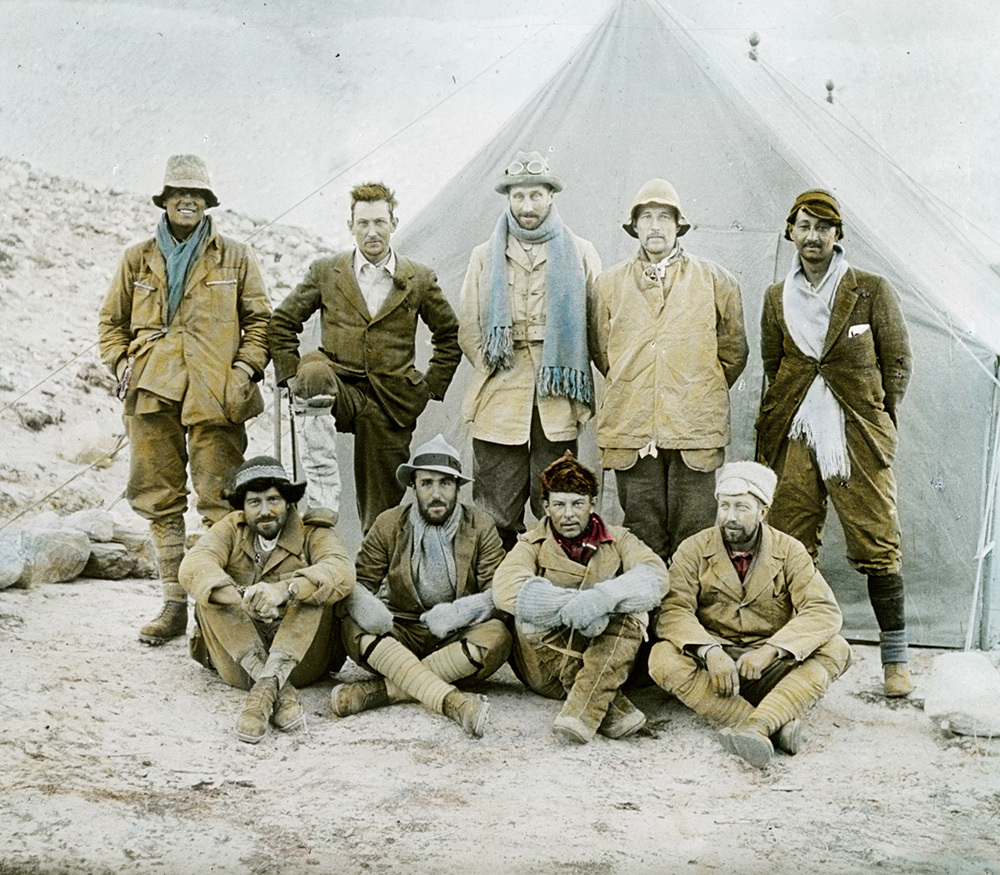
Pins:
<point x="669" y="358"/>
<point x="383" y="563"/>
<point x="538" y="554"/>
<point x="499" y="403"/>
<point x="783" y="601"/>
<point x="866" y="362"/>
<point x="308" y="551"/>
<point x="222" y="319"/>
<point x="379" y="348"/>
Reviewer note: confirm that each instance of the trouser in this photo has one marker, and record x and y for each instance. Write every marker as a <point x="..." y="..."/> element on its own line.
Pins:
<point x="307" y="634"/>
<point x="587" y="672"/>
<point x="684" y="676"/>
<point x="665" y="501"/>
<point x="866" y="507"/>
<point x="490" y="646"/>
<point x="161" y="448"/>
<point x="507" y="475"/>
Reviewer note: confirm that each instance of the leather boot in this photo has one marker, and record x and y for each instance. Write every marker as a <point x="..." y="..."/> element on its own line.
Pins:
<point x="748" y="741"/>
<point x="347" y="699"/>
<point x="468" y="710"/>
<point x="896" y="679"/>
<point x="288" y="712"/>
<point x="789" y="737"/>
<point x="168" y="542"/>
<point x="251" y="725"/>
<point x="623" y="718"/>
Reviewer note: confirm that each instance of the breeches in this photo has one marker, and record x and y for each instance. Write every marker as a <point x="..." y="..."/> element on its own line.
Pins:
<point x="160" y="450"/>
<point x="665" y="501"/>
<point x="865" y="505"/>
<point x="308" y="634"/>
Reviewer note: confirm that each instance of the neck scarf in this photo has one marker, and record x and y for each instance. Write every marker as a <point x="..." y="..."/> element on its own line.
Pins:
<point x="179" y="258"/>
<point x="819" y="421"/>
<point x="565" y="368"/>
<point x="432" y="563"/>
<point x="580" y="549"/>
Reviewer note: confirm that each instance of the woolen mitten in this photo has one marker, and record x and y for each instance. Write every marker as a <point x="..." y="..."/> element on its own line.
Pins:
<point x="634" y="591"/>
<point x="369" y="612"/>
<point x="587" y="612"/>
<point x="447" y="617"/>
<point x="540" y="601"/>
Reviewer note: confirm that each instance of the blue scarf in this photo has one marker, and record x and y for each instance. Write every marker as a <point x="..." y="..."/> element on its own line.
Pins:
<point x="565" y="368"/>
<point x="179" y="258"/>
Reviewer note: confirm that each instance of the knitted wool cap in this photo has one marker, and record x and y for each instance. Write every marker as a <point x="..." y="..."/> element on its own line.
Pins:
<point x="186" y="171"/>
<point x="259" y="473"/>
<point x="566" y="474"/>
<point x="657" y="191"/>
<point x="736" y="478"/>
<point x="819" y="203"/>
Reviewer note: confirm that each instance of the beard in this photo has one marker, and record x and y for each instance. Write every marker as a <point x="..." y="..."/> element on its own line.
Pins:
<point x="437" y="512"/>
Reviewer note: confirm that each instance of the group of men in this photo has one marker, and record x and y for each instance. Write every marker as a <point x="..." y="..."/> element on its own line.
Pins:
<point x="188" y="330"/>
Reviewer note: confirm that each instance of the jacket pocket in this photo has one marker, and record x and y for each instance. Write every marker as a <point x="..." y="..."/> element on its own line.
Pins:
<point x="241" y="399"/>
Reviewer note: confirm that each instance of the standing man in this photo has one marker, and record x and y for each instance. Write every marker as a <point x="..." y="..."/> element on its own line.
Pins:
<point x="579" y="592"/>
<point x="671" y="343"/>
<point x="369" y="300"/>
<point x="434" y="561"/>
<point x="265" y="581"/>
<point x="527" y="302"/>
<point x="837" y="360"/>
<point x="750" y="626"/>
<point x="184" y="330"/>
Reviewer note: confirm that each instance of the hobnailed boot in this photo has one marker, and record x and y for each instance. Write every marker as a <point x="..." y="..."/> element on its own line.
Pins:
<point x="896" y="679"/>
<point x="468" y="710"/>
<point x="171" y="622"/>
<point x="623" y="718"/>
<point x="347" y="699"/>
<point x="288" y="712"/>
<point x="251" y="726"/>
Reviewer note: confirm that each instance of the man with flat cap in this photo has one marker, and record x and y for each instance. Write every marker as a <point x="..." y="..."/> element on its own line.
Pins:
<point x="671" y="343"/>
<point x="526" y="311"/>
<point x="431" y="561"/>
<point x="837" y="360"/>
<point x="580" y="592"/>
<point x="749" y="627"/>
<point x="184" y="329"/>
<point x="265" y="582"/>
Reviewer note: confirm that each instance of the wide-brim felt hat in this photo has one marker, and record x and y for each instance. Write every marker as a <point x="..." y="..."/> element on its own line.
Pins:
<point x="186" y="171"/>
<point x="262" y="472"/>
<point x="528" y="168"/>
<point x="435" y="455"/>
<point x="657" y="191"/>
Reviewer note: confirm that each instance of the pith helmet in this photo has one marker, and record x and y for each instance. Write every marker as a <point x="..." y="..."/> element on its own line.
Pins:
<point x="186" y="171"/>
<point x="528" y="168"/>
<point x="657" y="191"/>
<point x="436" y="455"/>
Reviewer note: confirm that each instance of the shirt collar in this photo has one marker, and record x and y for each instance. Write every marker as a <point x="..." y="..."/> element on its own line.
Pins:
<point x="803" y="280"/>
<point x="389" y="262"/>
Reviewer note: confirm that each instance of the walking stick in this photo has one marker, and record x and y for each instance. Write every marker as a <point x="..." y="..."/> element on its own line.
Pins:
<point x="276" y="419"/>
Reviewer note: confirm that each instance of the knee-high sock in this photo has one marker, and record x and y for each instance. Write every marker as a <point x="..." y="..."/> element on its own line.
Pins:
<point x="792" y="696"/>
<point x="408" y="674"/>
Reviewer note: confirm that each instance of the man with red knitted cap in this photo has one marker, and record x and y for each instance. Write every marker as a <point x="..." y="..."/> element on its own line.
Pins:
<point x="579" y="591"/>
<point x="749" y="627"/>
<point x="837" y="360"/>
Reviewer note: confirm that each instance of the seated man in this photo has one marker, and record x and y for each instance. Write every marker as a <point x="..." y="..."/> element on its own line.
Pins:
<point x="750" y="626"/>
<point x="432" y="561"/>
<point x="265" y="581"/>
<point x="579" y="592"/>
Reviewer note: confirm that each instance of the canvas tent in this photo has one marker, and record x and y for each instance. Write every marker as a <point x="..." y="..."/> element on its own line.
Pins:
<point x="643" y="97"/>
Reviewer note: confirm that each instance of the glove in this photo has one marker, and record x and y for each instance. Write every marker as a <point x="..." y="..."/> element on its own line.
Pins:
<point x="369" y="612"/>
<point x="539" y="603"/>
<point x="446" y="617"/>
<point x="633" y="592"/>
<point x="588" y="611"/>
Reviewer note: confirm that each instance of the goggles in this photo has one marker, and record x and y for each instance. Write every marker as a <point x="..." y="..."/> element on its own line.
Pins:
<point x="535" y="168"/>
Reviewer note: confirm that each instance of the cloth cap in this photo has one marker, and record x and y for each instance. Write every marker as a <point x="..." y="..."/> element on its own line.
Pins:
<point x="262" y="472"/>
<point x="524" y="176"/>
<point x="819" y="203"/>
<point x="566" y="474"/>
<point x="736" y="478"/>
<point x="186" y="171"/>
<point x="657" y="191"/>
<point x="436" y="455"/>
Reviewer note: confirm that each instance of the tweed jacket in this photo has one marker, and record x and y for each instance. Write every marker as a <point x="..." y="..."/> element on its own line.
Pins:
<point x="222" y="319"/>
<point x="669" y="358"/>
<point x="538" y="554"/>
<point x="866" y="362"/>
<point x="783" y="601"/>
<point x="310" y="552"/>
<point x="383" y="563"/>
<point x="498" y="404"/>
<point x="379" y="347"/>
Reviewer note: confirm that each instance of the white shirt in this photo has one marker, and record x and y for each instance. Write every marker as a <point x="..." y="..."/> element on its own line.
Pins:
<point x="374" y="280"/>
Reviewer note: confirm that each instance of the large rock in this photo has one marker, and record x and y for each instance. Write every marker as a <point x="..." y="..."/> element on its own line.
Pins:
<point x="140" y="547"/>
<point x="110" y="562"/>
<point x="963" y="694"/>
<point x="96" y="524"/>
<point x="11" y="560"/>
<point x="52" y="555"/>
